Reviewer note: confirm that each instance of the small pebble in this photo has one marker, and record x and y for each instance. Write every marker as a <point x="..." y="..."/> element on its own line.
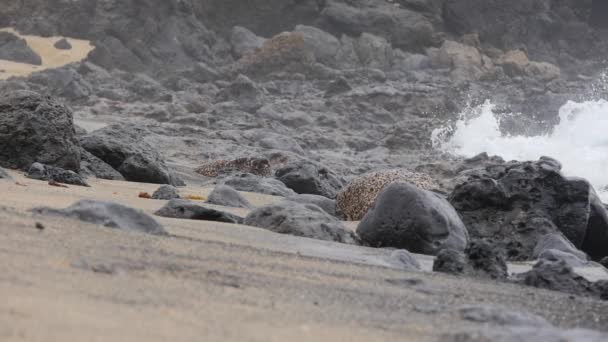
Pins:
<point x="39" y="226"/>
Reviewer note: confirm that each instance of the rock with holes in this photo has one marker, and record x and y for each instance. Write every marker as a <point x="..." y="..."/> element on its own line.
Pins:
<point x="108" y="214"/>
<point x="36" y="128"/>
<point x="358" y="196"/>
<point x="190" y="210"/>
<point x="517" y="203"/>
<point x="421" y="221"/>
<point x="253" y="165"/>
<point x="306" y="220"/>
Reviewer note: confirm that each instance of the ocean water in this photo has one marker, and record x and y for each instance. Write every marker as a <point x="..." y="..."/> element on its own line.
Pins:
<point x="579" y="141"/>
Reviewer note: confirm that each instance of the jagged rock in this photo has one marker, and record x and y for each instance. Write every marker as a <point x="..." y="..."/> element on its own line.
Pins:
<point x="604" y="262"/>
<point x="51" y="173"/>
<point x="306" y="220"/>
<point x="93" y="166"/>
<point x="108" y="214"/>
<point x="244" y="41"/>
<point x="63" y="44"/>
<point x="558" y="276"/>
<point x="450" y="261"/>
<point x="15" y="49"/>
<point x="557" y="255"/>
<point x="252" y="183"/>
<point x="374" y="51"/>
<point x="338" y="86"/>
<point x="516" y="203"/>
<point x="480" y="259"/>
<point x="358" y="196"/>
<point x="35" y="128"/>
<point x="306" y="177"/>
<point x="254" y="165"/>
<point x="165" y="192"/>
<point x="123" y="148"/>
<point x="228" y="196"/>
<point x="418" y="220"/>
<point x="484" y="260"/>
<point x="328" y="205"/>
<point x="185" y="209"/>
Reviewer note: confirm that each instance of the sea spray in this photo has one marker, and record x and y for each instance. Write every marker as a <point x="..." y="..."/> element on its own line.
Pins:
<point x="579" y="141"/>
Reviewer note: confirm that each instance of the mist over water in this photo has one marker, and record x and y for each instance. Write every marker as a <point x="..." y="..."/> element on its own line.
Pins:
<point x="579" y="141"/>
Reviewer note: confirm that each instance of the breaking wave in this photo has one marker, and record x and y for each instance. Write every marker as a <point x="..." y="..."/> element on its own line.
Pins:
<point x="579" y="141"/>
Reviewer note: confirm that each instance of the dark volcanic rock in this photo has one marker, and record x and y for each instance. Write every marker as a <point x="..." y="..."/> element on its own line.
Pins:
<point x="420" y="221"/>
<point x="63" y="44"/>
<point x="108" y="214"/>
<point x="450" y="261"/>
<point x="51" y="173"/>
<point x="558" y="276"/>
<point x="328" y="205"/>
<point x="228" y="196"/>
<point x="185" y="209"/>
<point x="306" y="177"/>
<point x="516" y="203"/>
<point x="307" y="220"/>
<point x="485" y="260"/>
<point x="556" y="247"/>
<point x="15" y="49"/>
<point x="165" y="192"/>
<point x="480" y="259"/>
<point x="35" y="128"/>
<point x="93" y="166"/>
<point x="124" y="149"/>
<point x="261" y="185"/>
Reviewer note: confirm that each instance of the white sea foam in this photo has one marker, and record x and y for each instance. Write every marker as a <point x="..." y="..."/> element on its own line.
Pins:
<point x="579" y="141"/>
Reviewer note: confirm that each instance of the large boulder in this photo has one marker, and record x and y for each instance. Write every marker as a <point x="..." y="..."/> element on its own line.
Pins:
<point x="516" y="203"/>
<point x="123" y="148"/>
<point x="418" y="220"/>
<point x="36" y="128"/>
<point x="306" y="177"/>
<point x="306" y="220"/>
<point x="354" y="200"/>
<point x="15" y="49"/>
<point x="108" y="214"/>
